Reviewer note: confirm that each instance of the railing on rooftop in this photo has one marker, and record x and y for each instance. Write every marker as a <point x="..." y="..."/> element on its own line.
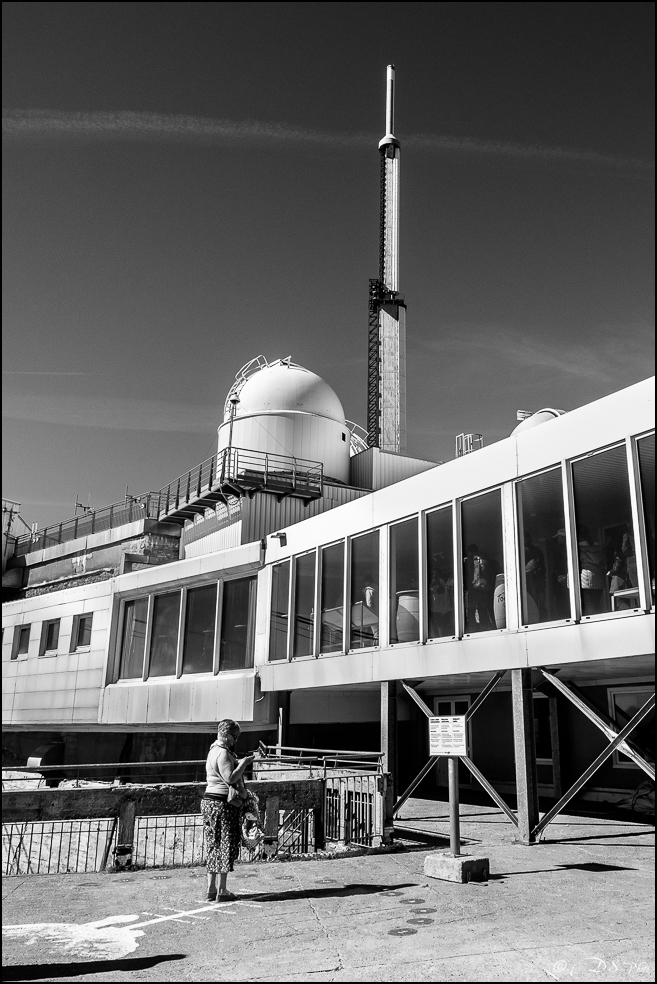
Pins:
<point x="233" y="472"/>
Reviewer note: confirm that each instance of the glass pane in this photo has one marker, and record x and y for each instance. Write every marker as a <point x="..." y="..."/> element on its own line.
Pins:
<point x="198" y="645"/>
<point x="646" y="448"/>
<point x="237" y="624"/>
<point x="440" y="574"/>
<point x="605" y="534"/>
<point x="84" y="631"/>
<point x="332" y="598"/>
<point x="24" y="640"/>
<point x="280" y="601"/>
<point x="304" y="605"/>
<point x="543" y="559"/>
<point x="134" y="639"/>
<point x="164" y="637"/>
<point x="52" y="636"/>
<point x="365" y="591"/>
<point x="404" y="583"/>
<point x="483" y="558"/>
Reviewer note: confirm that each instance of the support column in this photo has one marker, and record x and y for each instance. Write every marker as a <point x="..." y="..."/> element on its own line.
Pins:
<point x="525" y="750"/>
<point x="282" y="737"/>
<point x="389" y="749"/>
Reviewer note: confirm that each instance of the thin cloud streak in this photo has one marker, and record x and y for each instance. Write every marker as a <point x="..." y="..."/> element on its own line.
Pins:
<point x="37" y="372"/>
<point x="112" y="413"/>
<point x="129" y="126"/>
<point x="490" y="348"/>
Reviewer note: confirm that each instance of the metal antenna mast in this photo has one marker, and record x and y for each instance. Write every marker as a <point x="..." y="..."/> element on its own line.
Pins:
<point x="386" y="390"/>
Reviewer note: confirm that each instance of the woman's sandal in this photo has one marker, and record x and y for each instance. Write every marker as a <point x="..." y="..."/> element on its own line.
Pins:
<point x="226" y="897"/>
<point x="211" y="897"/>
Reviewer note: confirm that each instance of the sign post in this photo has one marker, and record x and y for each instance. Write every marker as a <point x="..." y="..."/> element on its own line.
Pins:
<point x="448" y="737"/>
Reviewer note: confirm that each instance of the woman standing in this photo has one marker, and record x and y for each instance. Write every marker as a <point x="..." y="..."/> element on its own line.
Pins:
<point x="221" y="821"/>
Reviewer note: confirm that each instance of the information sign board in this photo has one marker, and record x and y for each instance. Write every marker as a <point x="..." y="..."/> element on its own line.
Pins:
<point x="447" y="735"/>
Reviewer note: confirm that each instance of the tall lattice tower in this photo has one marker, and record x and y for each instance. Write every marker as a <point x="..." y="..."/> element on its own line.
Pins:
<point x="386" y="364"/>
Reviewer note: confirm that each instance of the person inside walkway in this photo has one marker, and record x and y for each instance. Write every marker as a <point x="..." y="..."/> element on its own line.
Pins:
<point x="221" y="820"/>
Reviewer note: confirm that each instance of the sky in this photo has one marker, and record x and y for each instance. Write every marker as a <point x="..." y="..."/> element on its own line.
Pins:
<point x="189" y="185"/>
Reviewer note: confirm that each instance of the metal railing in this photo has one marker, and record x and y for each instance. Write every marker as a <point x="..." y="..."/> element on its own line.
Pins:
<point x="109" y="773"/>
<point x="234" y="471"/>
<point x="353" y="812"/>
<point x="57" y="846"/>
<point x="316" y="762"/>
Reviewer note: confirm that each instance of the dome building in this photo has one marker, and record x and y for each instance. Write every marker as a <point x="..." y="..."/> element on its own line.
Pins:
<point x="282" y="409"/>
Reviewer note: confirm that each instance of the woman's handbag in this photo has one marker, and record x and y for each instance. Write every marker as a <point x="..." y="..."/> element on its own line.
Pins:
<point x="237" y="794"/>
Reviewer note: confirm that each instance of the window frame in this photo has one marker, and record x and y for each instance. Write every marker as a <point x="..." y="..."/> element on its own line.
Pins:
<point x="418" y="517"/>
<point x="15" y="642"/>
<point x="632" y="463"/>
<point x="382" y="574"/>
<point x="639" y="688"/>
<point x="566" y="488"/>
<point x="342" y="541"/>
<point x="45" y="627"/>
<point x="505" y="565"/>
<point x="290" y="598"/>
<point x="424" y="579"/>
<point x="74" y="646"/>
<point x="292" y="617"/>
<point x="639" y="519"/>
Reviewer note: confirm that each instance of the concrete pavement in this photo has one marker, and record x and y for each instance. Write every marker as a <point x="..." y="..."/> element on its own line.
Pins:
<point x="578" y="907"/>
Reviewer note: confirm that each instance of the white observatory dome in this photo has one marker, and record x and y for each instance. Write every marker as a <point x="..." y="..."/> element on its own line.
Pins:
<point x="281" y="409"/>
<point x="285" y="386"/>
<point x="540" y="417"/>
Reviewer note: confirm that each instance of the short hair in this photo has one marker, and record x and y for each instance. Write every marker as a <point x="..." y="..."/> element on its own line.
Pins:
<point x="228" y="727"/>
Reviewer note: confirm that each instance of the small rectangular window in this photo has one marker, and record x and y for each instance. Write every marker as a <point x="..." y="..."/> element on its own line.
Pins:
<point x="81" y="633"/>
<point x="280" y="611"/>
<point x="49" y="637"/>
<point x="134" y="639"/>
<point x="624" y="702"/>
<point x="21" y="641"/>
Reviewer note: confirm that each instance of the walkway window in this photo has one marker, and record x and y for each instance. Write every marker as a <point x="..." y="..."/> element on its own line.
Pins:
<point x="238" y="624"/>
<point x="440" y="574"/>
<point x="545" y="595"/>
<point x="164" y="635"/>
<point x="365" y="591"/>
<point x="134" y="639"/>
<point x="332" y="598"/>
<point x="404" y="582"/>
<point x="605" y="534"/>
<point x="200" y="616"/>
<point x="304" y="605"/>
<point x="646" y="448"/>
<point x="280" y="611"/>
<point x="483" y="563"/>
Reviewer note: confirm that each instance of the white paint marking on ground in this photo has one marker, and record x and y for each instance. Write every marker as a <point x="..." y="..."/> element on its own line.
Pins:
<point x="107" y="938"/>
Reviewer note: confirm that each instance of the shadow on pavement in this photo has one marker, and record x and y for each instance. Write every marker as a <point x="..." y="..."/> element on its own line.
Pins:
<point x="51" y="971"/>
<point x="594" y="866"/>
<point x="330" y="893"/>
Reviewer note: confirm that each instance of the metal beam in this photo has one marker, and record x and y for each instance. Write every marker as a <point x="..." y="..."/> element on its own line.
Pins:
<point x="490" y="686"/>
<point x="413" y="786"/>
<point x="608" y="729"/>
<point x="493" y="793"/>
<point x="418" y="700"/>
<point x="642" y="713"/>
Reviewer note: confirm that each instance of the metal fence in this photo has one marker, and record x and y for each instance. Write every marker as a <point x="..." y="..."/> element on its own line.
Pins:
<point x="353" y="811"/>
<point x="57" y="846"/>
